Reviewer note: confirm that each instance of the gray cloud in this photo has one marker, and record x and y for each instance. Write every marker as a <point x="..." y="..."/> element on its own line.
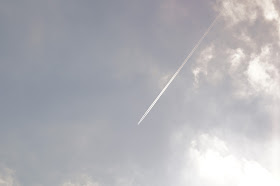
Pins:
<point x="76" y="76"/>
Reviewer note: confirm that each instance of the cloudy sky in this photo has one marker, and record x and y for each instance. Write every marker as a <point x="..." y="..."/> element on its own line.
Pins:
<point x="76" y="77"/>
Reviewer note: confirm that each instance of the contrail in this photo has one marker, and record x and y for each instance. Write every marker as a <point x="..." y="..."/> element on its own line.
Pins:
<point x="179" y="69"/>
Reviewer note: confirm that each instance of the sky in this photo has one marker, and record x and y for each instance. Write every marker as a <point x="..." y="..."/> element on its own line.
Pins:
<point x="76" y="77"/>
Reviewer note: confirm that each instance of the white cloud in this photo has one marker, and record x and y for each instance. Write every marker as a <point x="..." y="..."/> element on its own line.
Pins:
<point x="214" y="164"/>
<point x="201" y="66"/>
<point x="253" y="71"/>
<point x="254" y="74"/>
<point x="196" y="73"/>
<point x="83" y="180"/>
<point x="262" y="75"/>
<point x="236" y="58"/>
<point x="268" y="8"/>
<point x="7" y="178"/>
<point x="236" y="11"/>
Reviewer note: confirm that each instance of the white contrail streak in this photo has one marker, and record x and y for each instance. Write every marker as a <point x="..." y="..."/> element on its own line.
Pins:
<point x="179" y="69"/>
